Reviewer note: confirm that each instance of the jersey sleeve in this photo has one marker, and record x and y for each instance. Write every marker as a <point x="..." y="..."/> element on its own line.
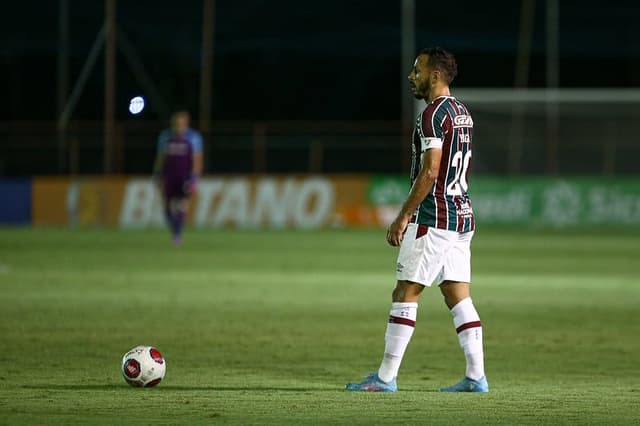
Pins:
<point x="195" y="139"/>
<point x="431" y="130"/>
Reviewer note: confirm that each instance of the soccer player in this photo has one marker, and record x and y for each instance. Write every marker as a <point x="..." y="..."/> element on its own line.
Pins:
<point x="177" y="168"/>
<point x="434" y="227"/>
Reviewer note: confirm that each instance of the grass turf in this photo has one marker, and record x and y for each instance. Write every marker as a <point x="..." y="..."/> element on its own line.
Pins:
<point x="267" y="327"/>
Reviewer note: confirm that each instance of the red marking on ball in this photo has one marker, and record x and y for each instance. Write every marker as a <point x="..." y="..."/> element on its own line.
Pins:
<point x="131" y="368"/>
<point x="156" y="355"/>
<point x="152" y="383"/>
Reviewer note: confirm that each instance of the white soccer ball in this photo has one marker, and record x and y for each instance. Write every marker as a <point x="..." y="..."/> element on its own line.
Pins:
<point x="136" y="105"/>
<point x="143" y="366"/>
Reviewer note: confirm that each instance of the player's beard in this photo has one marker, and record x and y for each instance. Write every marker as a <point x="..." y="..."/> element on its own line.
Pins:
<point x="422" y="91"/>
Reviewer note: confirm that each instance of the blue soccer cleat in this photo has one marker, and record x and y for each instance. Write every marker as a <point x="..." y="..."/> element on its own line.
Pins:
<point x="373" y="383"/>
<point x="469" y="385"/>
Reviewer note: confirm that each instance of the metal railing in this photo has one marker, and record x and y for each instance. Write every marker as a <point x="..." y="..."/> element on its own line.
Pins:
<point x="517" y="132"/>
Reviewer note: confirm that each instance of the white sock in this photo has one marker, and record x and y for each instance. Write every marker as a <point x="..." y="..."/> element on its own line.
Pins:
<point x="402" y="321"/>
<point x="469" y="329"/>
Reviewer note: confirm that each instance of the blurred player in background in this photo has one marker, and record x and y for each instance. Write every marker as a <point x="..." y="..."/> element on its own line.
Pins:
<point x="434" y="227"/>
<point x="177" y="168"/>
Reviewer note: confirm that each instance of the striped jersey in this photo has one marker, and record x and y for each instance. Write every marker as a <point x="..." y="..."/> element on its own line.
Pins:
<point x="447" y="124"/>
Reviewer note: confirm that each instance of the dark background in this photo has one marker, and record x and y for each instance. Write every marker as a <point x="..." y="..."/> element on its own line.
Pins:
<point x="283" y="59"/>
<point x="317" y="87"/>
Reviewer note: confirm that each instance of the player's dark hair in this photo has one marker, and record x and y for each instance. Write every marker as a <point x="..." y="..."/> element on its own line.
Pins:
<point x="177" y="112"/>
<point x="443" y="61"/>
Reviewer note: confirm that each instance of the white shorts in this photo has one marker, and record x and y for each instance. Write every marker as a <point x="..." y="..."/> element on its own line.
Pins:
<point x="439" y="255"/>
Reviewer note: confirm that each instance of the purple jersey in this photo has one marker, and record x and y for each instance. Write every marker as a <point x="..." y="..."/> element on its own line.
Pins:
<point x="177" y="151"/>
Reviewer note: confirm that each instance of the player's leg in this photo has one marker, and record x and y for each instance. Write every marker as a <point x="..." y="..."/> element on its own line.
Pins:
<point x="466" y="322"/>
<point x="161" y="188"/>
<point x="176" y="204"/>
<point x="169" y="197"/>
<point x="414" y="272"/>
<point x="180" y="212"/>
<point x="167" y="212"/>
<point x="185" y="189"/>
<point x="454" y="292"/>
<point x="455" y="289"/>
<point x="402" y="321"/>
<point x="420" y="261"/>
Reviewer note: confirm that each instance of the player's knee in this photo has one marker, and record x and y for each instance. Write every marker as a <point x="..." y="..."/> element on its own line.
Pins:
<point x="454" y="292"/>
<point x="406" y="292"/>
<point x="450" y="301"/>
<point x="397" y="294"/>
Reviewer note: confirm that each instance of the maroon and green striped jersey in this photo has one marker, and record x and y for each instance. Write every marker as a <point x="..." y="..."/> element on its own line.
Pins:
<point x="445" y="124"/>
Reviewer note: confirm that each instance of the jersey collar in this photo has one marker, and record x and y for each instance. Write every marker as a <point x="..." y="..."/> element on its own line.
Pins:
<point x="442" y="96"/>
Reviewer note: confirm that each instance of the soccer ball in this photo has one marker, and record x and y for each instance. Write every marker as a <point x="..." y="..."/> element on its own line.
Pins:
<point x="143" y="366"/>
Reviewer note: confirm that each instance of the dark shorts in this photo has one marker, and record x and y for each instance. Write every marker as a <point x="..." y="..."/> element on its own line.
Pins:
<point x="175" y="188"/>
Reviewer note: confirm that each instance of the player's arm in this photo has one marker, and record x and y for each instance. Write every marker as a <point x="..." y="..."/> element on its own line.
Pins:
<point x="198" y="162"/>
<point x="419" y="191"/>
<point x="198" y="159"/>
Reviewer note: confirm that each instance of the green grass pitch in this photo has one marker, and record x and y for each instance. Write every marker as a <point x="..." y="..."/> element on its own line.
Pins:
<point x="267" y="327"/>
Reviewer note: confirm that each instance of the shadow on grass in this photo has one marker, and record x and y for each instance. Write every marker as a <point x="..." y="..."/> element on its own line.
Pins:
<point x="173" y="388"/>
<point x="203" y="388"/>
